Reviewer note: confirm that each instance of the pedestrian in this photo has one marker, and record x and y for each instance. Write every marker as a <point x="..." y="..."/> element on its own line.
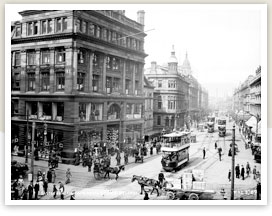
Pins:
<point x="151" y="150"/>
<point x="229" y="175"/>
<point x="30" y="190"/>
<point x="215" y="145"/>
<point x="89" y="163"/>
<point x="161" y="179"/>
<point x="24" y="193"/>
<point x="237" y="171"/>
<point x="118" y="159"/>
<point x="126" y="158"/>
<point x="254" y="172"/>
<point x="204" y="152"/>
<point x="220" y="155"/>
<point x="258" y="188"/>
<point x="45" y="186"/>
<point x="146" y="196"/>
<point x="248" y="169"/>
<point x="72" y="197"/>
<point x="36" y="189"/>
<point x="243" y="172"/>
<point x="61" y="189"/>
<point x="49" y="176"/>
<point x="68" y="176"/>
<point x="55" y="190"/>
<point x="39" y="173"/>
<point x="53" y="173"/>
<point x="41" y="188"/>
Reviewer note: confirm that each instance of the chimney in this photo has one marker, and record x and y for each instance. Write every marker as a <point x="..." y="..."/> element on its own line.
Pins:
<point x="140" y="16"/>
<point x="153" y="66"/>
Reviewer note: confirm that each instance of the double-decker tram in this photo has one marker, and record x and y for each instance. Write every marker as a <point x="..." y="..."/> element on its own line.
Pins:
<point x="210" y="124"/>
<point x="175" y="151"/>
<point x="222" y="121"/>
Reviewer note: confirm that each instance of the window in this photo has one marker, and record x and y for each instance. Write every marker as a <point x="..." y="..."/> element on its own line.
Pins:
<point x="127" y="86"/>
<point x="91" y="32"/>
<point x="81" y="57"/>
<point x="109" y="85"/>
<point x="45" y="57"/>
<point x="80" y="81"/>
<point x="97" y="31"/>
<point x="16" y="81"/>
<point x="171" y="83"/>
<point x="45" y="82"/>
<point x="60" y="55"/>
<point x="137" y="109"/>
<point x="171" y="102"/>
<point x="167" y="121"/>
<point x="31" y="58"/>
<point x="159" y="120"/>
<point x="65" y="26"/>
<point x="30" y="29"/>
<point x="17" y="59"/>
<point x="109" y="35"/>
<point x="35" y="28"/>
<point x="60" y="81"/>
<point x="60" y="109"/>
<point x="115" y="64"/>
<point x="18" y="31"/>
<point x="95" y="83"/>
<point x="31" y="81"/>
<point x="47" y="108"/>
<point x="129" y="109"/>
<point x="114" y="37"/>
<point x="84" y="27"/>
<point x="15" y="106"/>
<point x="82" y="111"/>
<point x="159" y="83"/>
<point x="116" y="85"/>
<point x="58" y="27"/>
<point x="159" y="102"/>
<point x="44" y="27"/>
<point x="50" y="26"/>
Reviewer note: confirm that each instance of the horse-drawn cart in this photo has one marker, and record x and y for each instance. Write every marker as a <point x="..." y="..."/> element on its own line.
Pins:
<point x="192" y="194"/>
<point x="99" y="168"/>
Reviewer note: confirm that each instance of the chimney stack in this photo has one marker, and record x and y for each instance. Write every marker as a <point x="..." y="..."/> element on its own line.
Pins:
<point x="140" y="16"/>
<point x="153" y="65"/>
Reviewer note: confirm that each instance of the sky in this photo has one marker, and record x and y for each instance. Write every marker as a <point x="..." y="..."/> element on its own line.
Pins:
<point x="223" y="42"/>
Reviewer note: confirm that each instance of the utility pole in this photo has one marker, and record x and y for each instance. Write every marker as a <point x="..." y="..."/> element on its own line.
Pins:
<point x="233" y="162"/>
<point x="27" y="133"/>
<point x="32" y="149"/>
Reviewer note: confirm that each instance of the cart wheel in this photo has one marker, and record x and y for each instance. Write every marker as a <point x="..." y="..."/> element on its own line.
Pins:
<point x="170" y="195"/>
<point x="193" y="196"/>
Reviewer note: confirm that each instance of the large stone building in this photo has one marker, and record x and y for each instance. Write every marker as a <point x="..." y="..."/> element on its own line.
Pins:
<point x="81" y="73"/>
<point x="170" y="95"/>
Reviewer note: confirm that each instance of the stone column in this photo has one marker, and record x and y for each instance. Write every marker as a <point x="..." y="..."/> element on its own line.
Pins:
<point x="52" y="74"/>
<point x="68" y="70"/>
<point x="23" y="71"/>
<point x="105" y="111"/>
<point x="90" y="86"/>
<point x="133" y="79"/>
<point x="124" y="78"/>
<point x="37" y="71"/>
<point x="104" y="74"/>
<point x="74" y="69"/>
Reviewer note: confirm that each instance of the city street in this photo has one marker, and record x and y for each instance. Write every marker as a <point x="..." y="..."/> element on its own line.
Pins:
<point x="87" y="187"/>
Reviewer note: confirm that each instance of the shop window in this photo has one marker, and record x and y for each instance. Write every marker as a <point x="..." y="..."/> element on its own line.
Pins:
<point x="137" y="109"/>
<point x="81" y="57"/>
<point x="114" y="112"/>
<point x="127" y="86"/>
<point x="60" y="110"/>
<point x="109" y="85"/>
<point x="129" y="109"/>
<point x="116" y="84"/>
<point x="47" y="108"/>
<point x="45" y="82"/>
<point x="60" y="81"/>
<point x="31" y="81"/>
<point x="80" y="81"/>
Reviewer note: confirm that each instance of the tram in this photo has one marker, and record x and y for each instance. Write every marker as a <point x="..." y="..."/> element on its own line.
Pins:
<point x="210" y="124"/>
<point x="175" y="151"/>
<point x="222" y="126"/>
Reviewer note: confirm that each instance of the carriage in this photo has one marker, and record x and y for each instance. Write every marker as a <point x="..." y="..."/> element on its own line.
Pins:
<point x="189" y="194"/>
<point x="99" y="168"/>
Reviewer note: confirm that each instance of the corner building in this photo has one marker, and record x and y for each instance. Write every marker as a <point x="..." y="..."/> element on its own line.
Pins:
<point x="80" y="73"/>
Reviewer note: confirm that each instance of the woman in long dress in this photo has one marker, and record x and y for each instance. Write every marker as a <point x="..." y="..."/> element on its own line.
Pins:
<point x="41" y="188"/>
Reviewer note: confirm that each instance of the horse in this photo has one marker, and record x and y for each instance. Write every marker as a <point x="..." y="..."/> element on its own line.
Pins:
<point x="114" y="170"/>
<point x="144" y="181"/>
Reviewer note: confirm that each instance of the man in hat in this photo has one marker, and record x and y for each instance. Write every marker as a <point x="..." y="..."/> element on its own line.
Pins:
<point x="61" y="189"/>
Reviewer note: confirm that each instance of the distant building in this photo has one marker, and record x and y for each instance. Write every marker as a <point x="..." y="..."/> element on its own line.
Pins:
<point x="81" y="73"/>
<point x="255" y="93"/>
<point x="170" y="95"/>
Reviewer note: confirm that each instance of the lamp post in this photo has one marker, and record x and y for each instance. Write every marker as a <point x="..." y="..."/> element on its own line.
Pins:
<point x="32" y="148"/>
<point x="233" y="162"/>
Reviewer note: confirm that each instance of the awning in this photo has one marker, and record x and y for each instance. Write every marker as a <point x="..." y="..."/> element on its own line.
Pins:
<point x="252" y="123"/>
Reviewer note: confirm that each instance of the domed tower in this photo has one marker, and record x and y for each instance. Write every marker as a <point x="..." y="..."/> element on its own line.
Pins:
<point x="186" y="66"/>
<point x="173" y="62"/>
